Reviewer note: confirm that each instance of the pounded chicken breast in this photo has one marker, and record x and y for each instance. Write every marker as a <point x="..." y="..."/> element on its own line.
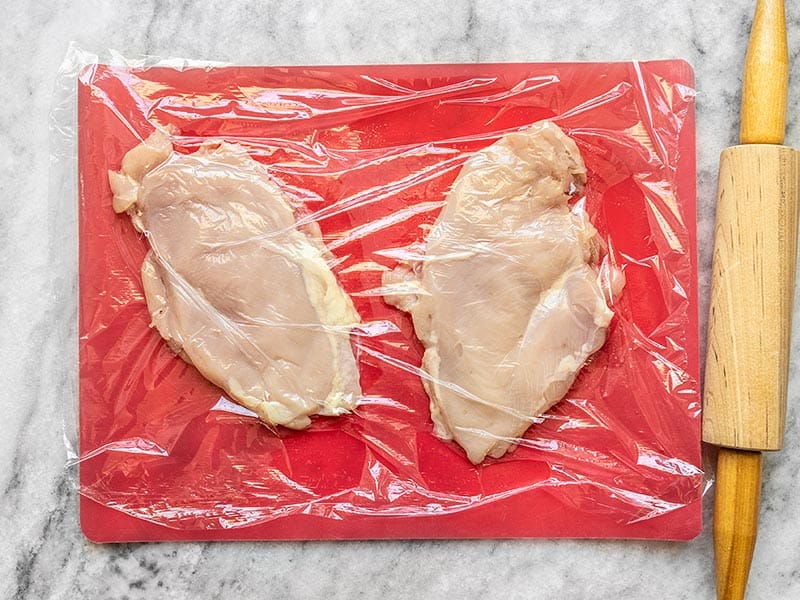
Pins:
<point x="506" y="300"/>
<point x="235" y="286"/>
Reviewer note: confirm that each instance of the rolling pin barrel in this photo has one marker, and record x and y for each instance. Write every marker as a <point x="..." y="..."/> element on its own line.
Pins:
<point x="752" y="297"/>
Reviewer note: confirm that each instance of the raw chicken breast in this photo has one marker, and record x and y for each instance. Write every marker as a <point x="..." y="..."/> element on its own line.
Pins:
<point x="506" y="300"/>
<point x="235" y="286"/>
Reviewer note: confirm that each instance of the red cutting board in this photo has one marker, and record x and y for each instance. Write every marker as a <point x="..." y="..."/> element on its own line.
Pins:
<point x="371" y="151"/>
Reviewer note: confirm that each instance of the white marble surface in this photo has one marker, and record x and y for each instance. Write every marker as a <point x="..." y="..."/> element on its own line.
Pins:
<point x="42" y="552"/>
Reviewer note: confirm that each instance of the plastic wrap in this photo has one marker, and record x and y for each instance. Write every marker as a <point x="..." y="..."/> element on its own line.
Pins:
<point x="365" y="159"/>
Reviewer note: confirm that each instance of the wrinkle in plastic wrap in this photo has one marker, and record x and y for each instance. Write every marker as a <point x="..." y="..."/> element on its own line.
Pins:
<point x="369" y="154"/>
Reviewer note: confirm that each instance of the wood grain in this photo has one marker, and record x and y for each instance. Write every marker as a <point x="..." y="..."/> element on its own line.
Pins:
<point x="735" y="519"/>
<point x="752" y="296"/>
<point x="766" y="77"/>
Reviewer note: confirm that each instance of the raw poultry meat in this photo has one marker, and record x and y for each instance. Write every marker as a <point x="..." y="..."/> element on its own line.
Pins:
<point x="505" y="297"/>
<point x="235" y="286"/>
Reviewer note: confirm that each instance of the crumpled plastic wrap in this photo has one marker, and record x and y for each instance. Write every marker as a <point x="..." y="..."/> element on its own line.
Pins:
<point x="368" y="155"/>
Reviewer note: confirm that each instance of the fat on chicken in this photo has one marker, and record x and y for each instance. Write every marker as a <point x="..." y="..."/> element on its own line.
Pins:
<point x="234" y="285"/>
<point x="506" y="297"/>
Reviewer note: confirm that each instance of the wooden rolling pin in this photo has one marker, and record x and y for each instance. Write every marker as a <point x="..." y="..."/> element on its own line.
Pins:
<point x="752" y="290"/>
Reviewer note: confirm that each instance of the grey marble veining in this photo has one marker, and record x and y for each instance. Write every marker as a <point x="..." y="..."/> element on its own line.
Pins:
<point x="42" y="552"/>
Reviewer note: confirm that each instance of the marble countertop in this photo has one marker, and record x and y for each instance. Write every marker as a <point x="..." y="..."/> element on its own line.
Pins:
<point x="43" y="553"/>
